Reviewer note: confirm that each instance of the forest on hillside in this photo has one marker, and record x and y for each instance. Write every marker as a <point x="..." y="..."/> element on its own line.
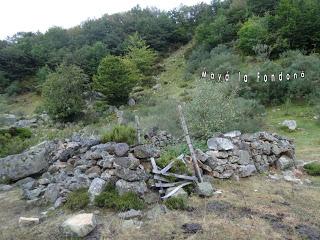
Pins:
<point x="116" y="53"/>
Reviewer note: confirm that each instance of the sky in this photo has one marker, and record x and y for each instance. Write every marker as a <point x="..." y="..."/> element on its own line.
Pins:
<point x="40" y="15"/>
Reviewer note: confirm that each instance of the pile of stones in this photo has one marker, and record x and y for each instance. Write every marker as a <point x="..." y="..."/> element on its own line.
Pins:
<point x="241" y="155"/>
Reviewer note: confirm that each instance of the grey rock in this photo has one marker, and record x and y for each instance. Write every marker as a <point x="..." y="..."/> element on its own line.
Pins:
<point x="204" y="189"/>
<point x="79" y="225"/>
<point x="4" y="187"/>
<point x="33" y="161"/>
<point x="43" y="181"/>
<point x="23" y="181"/>
<point x="131" y="175"/>
<point x="94" y="169"/>
<point x="138" y="187"/>
<point x="200" y="155"/>
<point x="156" y="211"/>
<point x="127" y="162"/>
<point x="247" y="170"/>
<point x="97" y="186"/>
<point x="244" y="157"/>
<point x="32" y="194"/>
<point x="132" y="213"/>
<point x="106" y="162"/>
<point x="192" y="228"/>
<point x="126" y="224"/>
<point x="232" y="134"/>
<point x="52" y="193"/>
<point x="131" y="102"/>
<point x="145" y="151"/>
<point x="284" y="162"/>
<point x="24" y="221"/>
<point x="290" y="124"/>
<point x="121" y="149"/>
<point x="7" y="119"/>
<point x="218" y="143"/>
<point x="26" y="123"/>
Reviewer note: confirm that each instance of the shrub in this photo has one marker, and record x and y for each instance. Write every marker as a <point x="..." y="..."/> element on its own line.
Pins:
<point x="169" y="155"/>
<point x="110" y="198"/>
<point x="115" y="78"/>
<point x="176" y="203"/>
<point x="216" y="108"/>
<point x="78" y="199"/>
<point x="120" y="133"/>
<point x="312" y="168"/>
<point x="63" y="92"/>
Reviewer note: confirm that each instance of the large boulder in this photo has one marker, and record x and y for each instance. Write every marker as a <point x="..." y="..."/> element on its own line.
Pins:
<point x="218" y="143"/>
<point x="284" y="163"/>
<point x="121" y="149"/>
<point x="131" y="175"/>
<point x="33" y="161"/>
<point x="247" y="170"/>
<point x="139" y="187"/>
<point x="79" y="225"/>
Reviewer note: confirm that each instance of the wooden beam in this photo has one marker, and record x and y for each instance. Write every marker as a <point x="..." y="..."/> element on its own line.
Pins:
<point x="193" y="155"/>
<point x="175" y="190"/>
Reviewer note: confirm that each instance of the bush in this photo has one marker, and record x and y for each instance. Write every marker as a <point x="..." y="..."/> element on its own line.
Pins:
<point x="169" y="155"/>
<point x="78" y="199"/>
<point x="110" y="198"/>
<point x="313" y="168"/>
<point x="115" y="78"/>
<point x="63" y="92"/>
<point x="176" y="203"/>
<point x="120" y="133"/>
<point x="14" y="140"/>
<point x="216" y="108"/>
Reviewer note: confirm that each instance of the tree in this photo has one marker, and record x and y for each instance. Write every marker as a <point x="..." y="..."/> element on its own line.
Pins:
<point x="253" y="32"/>
<point x="141" y="55"/>
<point x="115" y="78"/>
<point x="63" y="92"/>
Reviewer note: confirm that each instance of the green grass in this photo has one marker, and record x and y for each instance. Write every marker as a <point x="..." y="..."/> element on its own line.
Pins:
<point x="313" y="168"/>
<point x="78" y="199"/>
<point x="110" y="198"/>
<point x="176" y="203"/>
<point x="120" y="133"/>
<point x="306" y="137"/>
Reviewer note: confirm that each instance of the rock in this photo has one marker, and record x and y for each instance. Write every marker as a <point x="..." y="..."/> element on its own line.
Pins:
<point x="204" y="189"/>
<point x="101" y="147"/>
<point x="79" y="225"/>
<point x="201" y="155"/>
<point x="289" y="177"/>
<point x="24" y="221"/>
<point x="131" y="102"/>
<point x="138" y="187"/>
<point x="33" y="161"/>
<point x="130" y="214"/>
<point x="7" y="119"/>
<point x="4" y="187"/>
<point x="94" y="169"/>
<point x="151" y="197"/>
<point x="131" y="224"/>
<point x="218" y="143"/>
<point x="244" y="157"/>
<point x="26" y="123"/>
<point x="156" y="211"/>
<point x="131" y="175"/>
<point x="97" y="186"/>
<point x="192" y="228"/>
<point x="290" y="124"/>
<point x="58" y="202"/>
<point x="127" y="162"/>
<point x="32" y="194"/>
<point x="284" y="163"/>
<point x="145" y="151"/>
<point x="121" y="149"/>
<point x="247" y="170"/>
<point x="23" y="181"/>
<point x="180" y="193"/>
<point x="232" y="134"/>
<point x="43" y="181"/>
<point x="52" y="193"/>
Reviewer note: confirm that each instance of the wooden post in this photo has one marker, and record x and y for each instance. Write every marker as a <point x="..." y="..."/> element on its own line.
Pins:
<point x="186" y="132"/>
<point x="138" y="129"/>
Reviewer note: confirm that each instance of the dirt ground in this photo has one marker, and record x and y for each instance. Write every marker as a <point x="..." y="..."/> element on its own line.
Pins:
<point x="253" y="208"/>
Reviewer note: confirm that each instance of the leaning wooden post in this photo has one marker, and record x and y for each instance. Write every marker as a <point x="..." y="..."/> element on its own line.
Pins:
<point x="193" y="155"/>
<point x="138" y="129"/>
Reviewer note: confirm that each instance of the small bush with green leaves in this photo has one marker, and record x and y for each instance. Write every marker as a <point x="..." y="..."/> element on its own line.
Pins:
<point x="110" y="198"/>
<point x="176" y="203"/>
<point x="14" y="140"/>
<point x="313" y="168"/>
<point x="78" y="199"/>
<point x="178" y="167"/>
<point x="120" y="133"/>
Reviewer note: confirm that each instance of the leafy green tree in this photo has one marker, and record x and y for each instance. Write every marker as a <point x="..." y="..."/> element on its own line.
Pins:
<point x="141" y="55"/>
<point x="63" y="92"/>
<point x="261" y="7"/>
<point x="253" y="32"/>
<point x="115" y="78"/>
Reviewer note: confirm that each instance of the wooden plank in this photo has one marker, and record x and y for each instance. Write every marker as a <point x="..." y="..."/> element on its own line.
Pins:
<point x="167" y="168"/>
<point x="162" y="179"/>
<point x="168" y="185"/>
<point x="154" y="164"/>
<point x="175" y="190"/>
<point x="138" y="129"/>
<point x="186" y="132"/>
<point x="192" y="178"/>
